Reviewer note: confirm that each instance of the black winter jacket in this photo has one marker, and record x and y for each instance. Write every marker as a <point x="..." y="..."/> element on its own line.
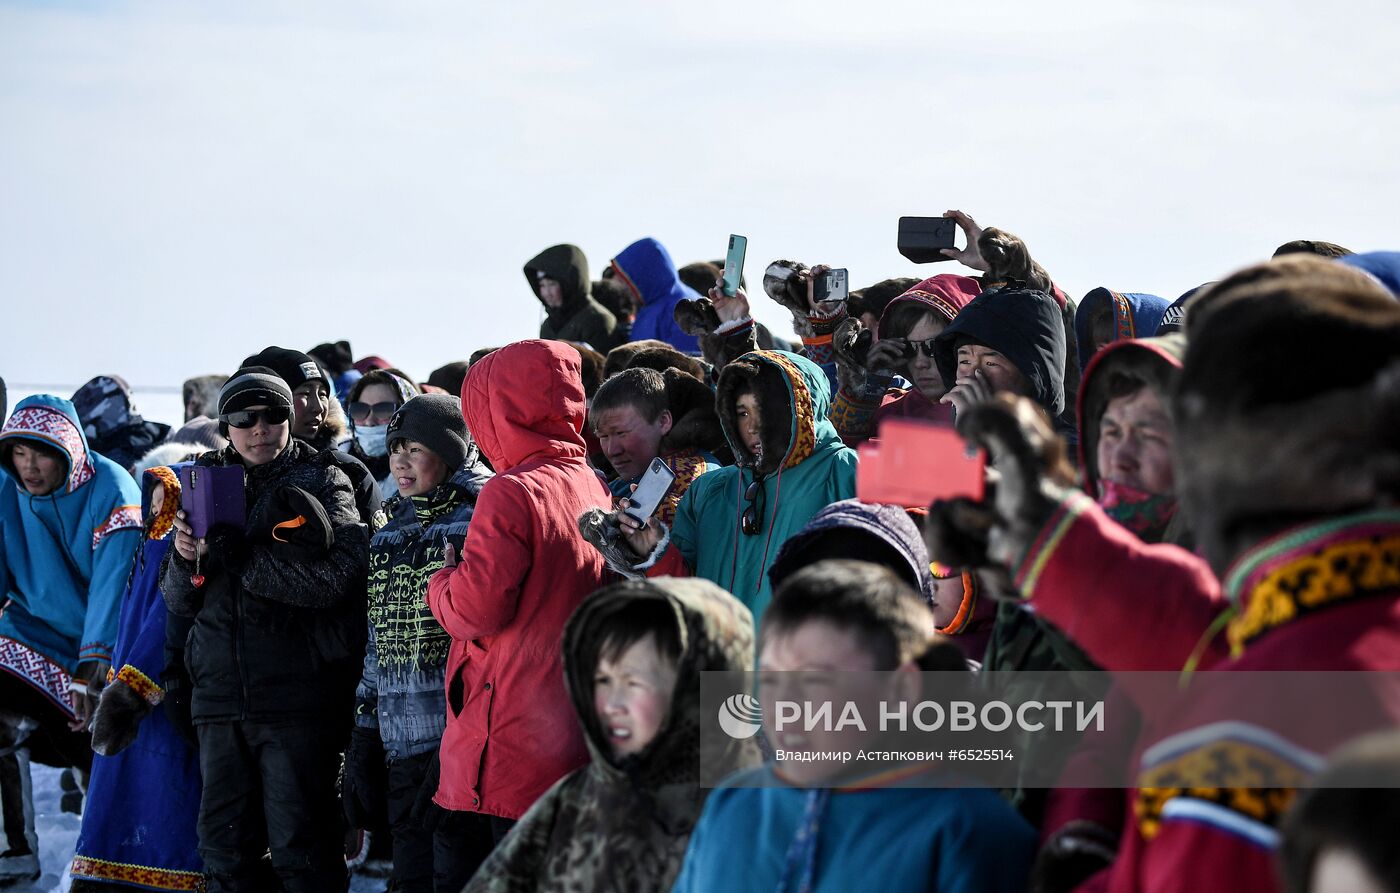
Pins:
<point x="275" y="624"/>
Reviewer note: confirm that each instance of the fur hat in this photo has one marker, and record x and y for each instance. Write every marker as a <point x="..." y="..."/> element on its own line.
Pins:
<point x="254" y="386"/>
<point x="435" y="420"/>
<point x="295" y="367"/>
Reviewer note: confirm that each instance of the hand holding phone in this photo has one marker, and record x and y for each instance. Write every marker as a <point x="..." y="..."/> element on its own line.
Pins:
<point x="830" y="289"/>
<point x="651" y="488"/>
<point x="734" y="265"/>
<point x="927" y="240"/>
<point x="915" y="463"/>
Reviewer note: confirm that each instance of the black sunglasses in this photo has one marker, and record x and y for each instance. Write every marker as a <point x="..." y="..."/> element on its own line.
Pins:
<point x="247" y="418"/>
<point x="914" y="348"/>
<point x="751" y="521"/>
<point x="361" y="410"/>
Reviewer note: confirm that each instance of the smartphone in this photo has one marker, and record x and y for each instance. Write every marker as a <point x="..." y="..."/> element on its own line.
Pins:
<point x="211" y="497"/>
<point x="914" y="463"/>
<point x="734" y="265"/>
<point x="922" y="239"/>
<point x="831" y="287"/>
<point x="653" y="486"/>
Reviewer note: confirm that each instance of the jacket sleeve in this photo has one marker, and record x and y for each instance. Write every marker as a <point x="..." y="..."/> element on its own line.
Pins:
<point x="1130" y="605"/>
<point x="181" y="597"/>
<point x="993" y="853"/>
<point x="367" y="692"/>
<point x="478" y="597"/>
<point x="515" y="864"/>
<point x="854" y="416"/>
<point x="681" y="555"/>
<point x="115" y="541"/>
<point x="281" y="574"/>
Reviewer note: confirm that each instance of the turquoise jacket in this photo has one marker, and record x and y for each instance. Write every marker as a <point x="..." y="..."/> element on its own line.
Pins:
<point x="64" y="557"/>
<point x="817" y="469"/>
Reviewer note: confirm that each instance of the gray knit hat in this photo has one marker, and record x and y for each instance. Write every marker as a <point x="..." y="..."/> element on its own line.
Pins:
<point x="254" y="386"/>
<point x="435" y="420"/>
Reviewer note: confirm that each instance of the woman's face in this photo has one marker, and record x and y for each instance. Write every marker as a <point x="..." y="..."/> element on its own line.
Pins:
<point x="263" y="442"/>
<point x="376" y="400"/>
<point x="416" y="469"/>
<point x="39" y="471"/>
<point x="922" y="370"/>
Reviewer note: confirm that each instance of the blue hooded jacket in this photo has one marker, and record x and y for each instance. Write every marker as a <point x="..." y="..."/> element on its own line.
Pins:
<point x="63" y="557"/>
<point x="1135" y="315"/>
<point x="142" y="805"/>
<point x="647" y="268"/>
<point x="1383" y="265"/>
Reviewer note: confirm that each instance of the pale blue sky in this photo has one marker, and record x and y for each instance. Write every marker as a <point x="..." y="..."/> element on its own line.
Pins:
<point x="183" y="183"/>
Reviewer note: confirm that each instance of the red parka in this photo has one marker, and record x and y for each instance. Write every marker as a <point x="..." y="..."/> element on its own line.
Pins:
<point x="511" y="730"/>
<point x="1321" y="597"/>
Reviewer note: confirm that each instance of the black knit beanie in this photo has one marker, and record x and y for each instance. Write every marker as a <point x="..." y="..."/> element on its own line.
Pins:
<point x="295" y="367"/>
<point x="434" y="420"/>
<point x="254" y="386"/>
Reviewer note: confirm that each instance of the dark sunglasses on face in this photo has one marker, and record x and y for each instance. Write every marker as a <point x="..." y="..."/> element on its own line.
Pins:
<point x="248" y="418"/>
<point x="914" y="348"/>
<point x="361" y="410"/>
<point x="751" y="521"/>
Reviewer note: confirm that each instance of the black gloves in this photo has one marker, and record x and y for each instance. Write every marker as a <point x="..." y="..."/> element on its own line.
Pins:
<point x="299" y="521"/>
<point x="88" y="681"/>
<point x="362" y="790"/>
<point x="177" y="707"/>
<point x="119" y="715"/>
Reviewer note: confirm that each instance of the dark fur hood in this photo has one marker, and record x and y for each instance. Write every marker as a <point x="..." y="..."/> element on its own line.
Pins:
<point x="794" y="398"/>
<point x="695" y="424"/>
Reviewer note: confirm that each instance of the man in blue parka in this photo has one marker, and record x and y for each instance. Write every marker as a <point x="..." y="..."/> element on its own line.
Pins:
<point x="70" y="522"/>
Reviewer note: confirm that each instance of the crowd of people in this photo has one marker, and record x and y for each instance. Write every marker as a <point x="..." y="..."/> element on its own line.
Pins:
<point x="424" y="613"/>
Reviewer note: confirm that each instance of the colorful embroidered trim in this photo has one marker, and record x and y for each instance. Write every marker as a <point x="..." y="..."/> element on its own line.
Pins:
<point x="965" y="609"/>
<point x="1272" y="553"/>
<point x="50" y="426"/>
<point x="817" y="340"/>
<point x="123" y="517"/>
<point x="165" y="518"/>
<point x="43" y="674"/>
<point x="1028" y="574"/>
<point x="1338" y="572"/>
<point x="804" y="421"/>
<point x="155" y="878"/>
<point x="1122" y="317"/>
<point x="141" y="684"/>
<point x="935" y="302"/>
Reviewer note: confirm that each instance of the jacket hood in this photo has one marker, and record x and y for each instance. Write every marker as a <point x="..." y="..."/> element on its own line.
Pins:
<point x="1384" y="266"/>
<point x="1174" y="317"/>
<point x="1156" y="359"/>
<point x="794" y="398"/>
<point x="1135" y="315"/>
<point x="526" y="401"/>
<point x="566" y="265"/>
<point x="889" y="524"/>
<point x="945" y="294"/>
<point x="1023" y="325"/>
<point x="53" y="422"/>
<point x="716" y="633"/>
<point x="166" y="480"/>
<point x="646" y="266"/>
<point x="104" y="406"/>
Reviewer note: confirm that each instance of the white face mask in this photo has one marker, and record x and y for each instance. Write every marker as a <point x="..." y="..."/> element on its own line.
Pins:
<point x="374" y="441"/>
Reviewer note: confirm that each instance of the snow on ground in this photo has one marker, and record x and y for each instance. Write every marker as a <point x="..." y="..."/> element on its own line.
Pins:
<point x="58" y="835"/>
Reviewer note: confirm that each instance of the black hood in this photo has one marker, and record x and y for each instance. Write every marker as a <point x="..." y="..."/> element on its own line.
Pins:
<point x="1023" y="325"/>
<point x="566" y="265"/>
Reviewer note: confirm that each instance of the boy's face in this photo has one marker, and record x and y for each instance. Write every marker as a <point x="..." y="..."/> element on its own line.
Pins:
<point x="628" y="440"/>
<point x="632" y="695"/>
<point x="39" y="471"/>
<point x="823" y="654"/>
<point x="749" y="422"/>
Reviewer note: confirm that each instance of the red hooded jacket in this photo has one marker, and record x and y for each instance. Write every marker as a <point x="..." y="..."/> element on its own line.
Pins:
<point x="511" y="729"/>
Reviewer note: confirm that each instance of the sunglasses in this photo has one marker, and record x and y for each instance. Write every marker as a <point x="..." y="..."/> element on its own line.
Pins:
<point x="914" y="348"/>
<point x="751" y="521"/>
<point x="248" y="418"/>
<point x="361" y="410"/>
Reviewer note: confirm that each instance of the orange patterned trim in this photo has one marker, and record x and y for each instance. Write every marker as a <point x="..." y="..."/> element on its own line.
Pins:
<point x="165" y="518"/>
<point x="140" y="683"/>
<point x="804" y="435"/>
<point x="155" y="878"/>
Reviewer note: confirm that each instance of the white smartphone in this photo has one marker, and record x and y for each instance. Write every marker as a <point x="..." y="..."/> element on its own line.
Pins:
<point x="655" y="483"/>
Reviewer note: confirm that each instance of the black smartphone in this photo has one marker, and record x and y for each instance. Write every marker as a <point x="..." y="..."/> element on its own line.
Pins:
<point x="831" y="287"/>
<point x="922" y="239"/>
<point x="655" y="483"/>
